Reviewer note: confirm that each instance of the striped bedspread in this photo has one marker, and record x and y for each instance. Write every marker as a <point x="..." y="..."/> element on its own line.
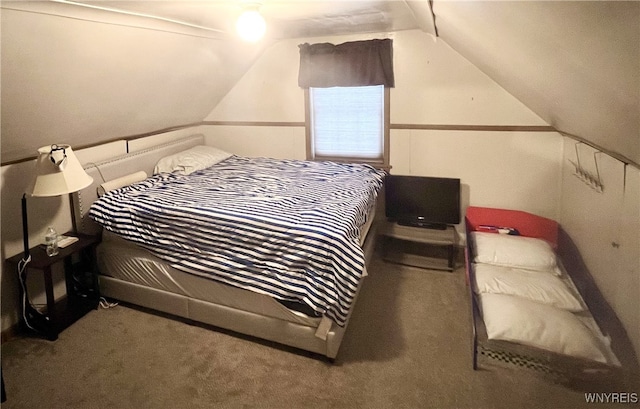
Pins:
<point x="286" y="228"/>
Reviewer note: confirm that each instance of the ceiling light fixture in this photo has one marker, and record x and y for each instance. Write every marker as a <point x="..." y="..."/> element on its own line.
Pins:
<point x="251" y="25"/>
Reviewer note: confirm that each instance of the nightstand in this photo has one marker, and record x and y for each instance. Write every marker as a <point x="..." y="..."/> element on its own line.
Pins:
<point x="81" y="280"/>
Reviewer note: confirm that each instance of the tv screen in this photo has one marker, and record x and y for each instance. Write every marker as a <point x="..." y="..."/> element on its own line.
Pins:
<point x="422" y="201"/>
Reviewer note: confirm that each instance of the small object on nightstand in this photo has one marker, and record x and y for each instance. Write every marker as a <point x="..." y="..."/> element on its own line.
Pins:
<point x="51" y="241"/>
<point x="64" y="241"/>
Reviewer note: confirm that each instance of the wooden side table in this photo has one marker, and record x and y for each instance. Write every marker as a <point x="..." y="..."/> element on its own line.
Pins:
<point x="81" y="280"/>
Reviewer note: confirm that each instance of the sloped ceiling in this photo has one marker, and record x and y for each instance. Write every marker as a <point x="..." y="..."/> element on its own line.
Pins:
<point x="84" y="76"/>
<point x="285" y="18"/>
<point x="574" y="63"/>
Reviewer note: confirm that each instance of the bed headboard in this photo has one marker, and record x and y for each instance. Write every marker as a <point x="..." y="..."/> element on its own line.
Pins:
<point x="120" y="166"/>
<point x="528" y="224"/>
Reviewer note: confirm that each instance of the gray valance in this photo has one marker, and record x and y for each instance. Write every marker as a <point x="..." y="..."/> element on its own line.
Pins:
<point x="352" y="64"/>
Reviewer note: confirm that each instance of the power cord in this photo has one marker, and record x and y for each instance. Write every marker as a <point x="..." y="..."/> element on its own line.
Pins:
<point x="106" y="304"/>
<point x="29" y="312"/>
<point x="95" y="165"/>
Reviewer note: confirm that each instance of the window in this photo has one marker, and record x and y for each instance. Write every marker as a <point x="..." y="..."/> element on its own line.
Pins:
<point x="348" y="124"/>
<point x="347" y="100"/>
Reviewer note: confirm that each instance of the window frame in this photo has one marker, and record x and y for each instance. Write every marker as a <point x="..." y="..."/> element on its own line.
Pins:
<point x="380" y="164"/>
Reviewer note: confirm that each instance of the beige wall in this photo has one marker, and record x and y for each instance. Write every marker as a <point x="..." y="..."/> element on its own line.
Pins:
<point x="605" y="226"/>
<point x="514" y="170"/>
<point x="434" y="85"/>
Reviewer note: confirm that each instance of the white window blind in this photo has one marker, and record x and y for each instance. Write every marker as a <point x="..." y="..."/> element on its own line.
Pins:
<point x="348" y="121"/>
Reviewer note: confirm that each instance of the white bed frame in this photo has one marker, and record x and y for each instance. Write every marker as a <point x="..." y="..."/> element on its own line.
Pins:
<point x="248" y="323"/>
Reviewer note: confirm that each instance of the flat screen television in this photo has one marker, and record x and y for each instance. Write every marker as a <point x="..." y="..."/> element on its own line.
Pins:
<point x="421" y="201"/>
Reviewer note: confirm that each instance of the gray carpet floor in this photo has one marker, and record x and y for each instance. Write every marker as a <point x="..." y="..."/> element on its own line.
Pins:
<point x="408" y="345"/>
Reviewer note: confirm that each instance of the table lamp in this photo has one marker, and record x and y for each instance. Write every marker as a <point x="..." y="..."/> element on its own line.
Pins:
<point x="58" y="172"/>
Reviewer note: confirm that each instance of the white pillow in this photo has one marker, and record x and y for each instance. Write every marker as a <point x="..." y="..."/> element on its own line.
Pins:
<point x="122" y="181"/>
<point x="193" y="159"/>
<point x="516" y="319"/>
<point x="538" y="286"/>
<point x="513" y="251"/>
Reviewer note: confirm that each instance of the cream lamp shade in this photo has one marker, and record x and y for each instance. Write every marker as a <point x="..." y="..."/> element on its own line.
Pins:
<point x="58" y="172"/>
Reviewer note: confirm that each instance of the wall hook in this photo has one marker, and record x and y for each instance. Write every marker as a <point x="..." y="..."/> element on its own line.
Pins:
<point x="591" y="180"/>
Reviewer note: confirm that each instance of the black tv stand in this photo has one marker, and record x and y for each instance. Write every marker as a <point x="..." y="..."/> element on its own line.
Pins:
<point x="404" y="244"/>
<point x="423" y="225"/>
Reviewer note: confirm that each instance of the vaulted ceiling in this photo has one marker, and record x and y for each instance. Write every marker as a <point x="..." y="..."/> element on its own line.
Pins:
<point x="576" y="64"/>
<point x="286" y="18"/>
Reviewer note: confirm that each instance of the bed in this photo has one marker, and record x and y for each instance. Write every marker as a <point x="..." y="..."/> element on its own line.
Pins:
<point x="278" y="265"/>
<point x="526" y="309"/>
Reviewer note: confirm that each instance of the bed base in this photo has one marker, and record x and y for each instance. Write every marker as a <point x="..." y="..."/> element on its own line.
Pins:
<point x="560" y="368"/>
<point x="243" y="322"/>
<point x="556" y="367"/>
